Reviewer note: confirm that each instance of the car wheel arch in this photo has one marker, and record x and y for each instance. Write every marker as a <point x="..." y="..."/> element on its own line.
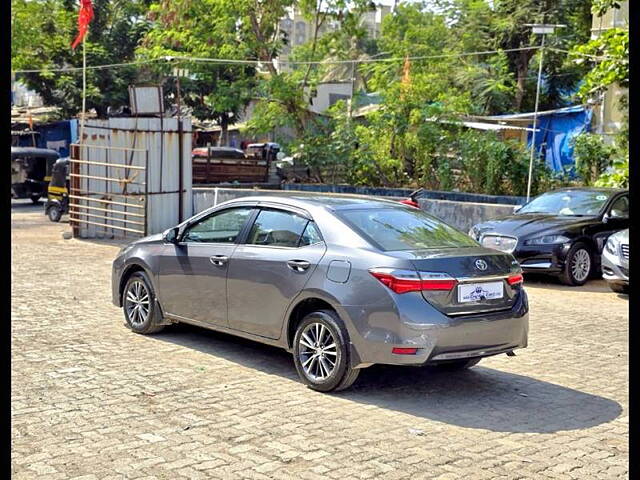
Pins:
<point x="305" y="303"/>
<point x="130" y="269"/>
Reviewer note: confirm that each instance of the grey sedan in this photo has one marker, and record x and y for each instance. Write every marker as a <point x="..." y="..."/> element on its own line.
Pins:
<point x="341" y="283"/>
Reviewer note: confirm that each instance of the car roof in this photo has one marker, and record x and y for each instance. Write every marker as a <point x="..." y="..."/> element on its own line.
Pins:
<point x="327" y="202"/>
<point x="17" y="152"/>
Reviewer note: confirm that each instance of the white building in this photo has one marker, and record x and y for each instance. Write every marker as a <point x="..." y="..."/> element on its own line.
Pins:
<point x="608" y="116"/>
<point x="300" y="31"/>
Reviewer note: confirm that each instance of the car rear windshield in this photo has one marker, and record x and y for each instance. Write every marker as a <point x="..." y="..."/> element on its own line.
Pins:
<point x="404" y="229"/>
<point x="569" y="202"/>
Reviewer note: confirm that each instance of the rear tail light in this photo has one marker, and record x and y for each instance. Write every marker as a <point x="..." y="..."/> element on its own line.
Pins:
<point x="403" y="281"/>
<point x="515" y="279"/>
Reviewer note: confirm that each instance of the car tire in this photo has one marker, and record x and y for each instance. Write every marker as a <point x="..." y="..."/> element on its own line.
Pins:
<point x="578" y="265"/>
<point x="141" y="313"/>
<point x="462" y="364"/>
<point x="314" y="336"/>
<point x="616" y="287"/>
<point x="54" y="213"/>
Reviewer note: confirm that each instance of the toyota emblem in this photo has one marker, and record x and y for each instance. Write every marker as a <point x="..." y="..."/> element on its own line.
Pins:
<point x="481" y="264"/>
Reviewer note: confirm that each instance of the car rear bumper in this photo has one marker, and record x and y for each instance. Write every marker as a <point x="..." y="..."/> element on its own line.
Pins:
<point x="438" y="337"/>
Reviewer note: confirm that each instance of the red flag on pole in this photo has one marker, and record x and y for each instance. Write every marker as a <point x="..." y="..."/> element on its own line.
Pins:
<point x="85" y="15"/>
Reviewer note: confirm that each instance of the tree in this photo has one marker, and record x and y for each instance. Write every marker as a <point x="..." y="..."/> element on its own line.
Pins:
<point x="501" y="24"/>
<point x="201" y="29"/>
<point x="42" y="33"/>
<point x="608" y="56"/>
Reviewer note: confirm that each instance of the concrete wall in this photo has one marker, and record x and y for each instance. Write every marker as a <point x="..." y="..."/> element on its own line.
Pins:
<point x="462" y="215"/>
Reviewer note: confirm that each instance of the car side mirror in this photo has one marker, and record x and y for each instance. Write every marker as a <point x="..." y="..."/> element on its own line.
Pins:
<point x="171" y="235"/>
<point x="517" y="208"/>
<point x="605" y="218"/>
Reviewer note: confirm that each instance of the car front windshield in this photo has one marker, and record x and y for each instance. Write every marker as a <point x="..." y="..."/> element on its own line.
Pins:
<point x="404" y="229"/>
<point x="568" y="202"/>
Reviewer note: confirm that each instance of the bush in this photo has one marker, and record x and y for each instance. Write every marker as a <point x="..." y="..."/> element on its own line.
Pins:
<point x="592" y="156"/>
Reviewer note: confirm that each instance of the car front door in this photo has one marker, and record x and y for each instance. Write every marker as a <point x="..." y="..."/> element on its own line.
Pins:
<point x="281" y="252"/>
<point x="193" y="273"/>
<point x="616" y="218"/>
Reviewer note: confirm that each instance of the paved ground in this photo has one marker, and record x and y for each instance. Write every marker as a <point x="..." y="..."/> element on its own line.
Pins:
<point x="93" y="400"/>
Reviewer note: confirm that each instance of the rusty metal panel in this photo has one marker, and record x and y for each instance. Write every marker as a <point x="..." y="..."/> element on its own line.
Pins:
<point x="152" y="143"/>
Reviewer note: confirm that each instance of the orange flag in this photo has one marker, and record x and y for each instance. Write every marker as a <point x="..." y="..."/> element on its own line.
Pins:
<point x="85" y="15"/>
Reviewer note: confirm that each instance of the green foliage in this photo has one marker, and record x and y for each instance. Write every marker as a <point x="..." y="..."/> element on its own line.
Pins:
<point x="592" y="156"/>
<point x="41" y="36"/>
<point x="410" y="140"/>
<point x="617" y="176"/>
<point x="613" y="65"/>
<point x="201" y="29"/>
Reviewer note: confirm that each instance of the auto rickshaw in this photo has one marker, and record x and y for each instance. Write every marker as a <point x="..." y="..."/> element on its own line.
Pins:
<point x="31" y="171"/>
<point x="58" y="191"/>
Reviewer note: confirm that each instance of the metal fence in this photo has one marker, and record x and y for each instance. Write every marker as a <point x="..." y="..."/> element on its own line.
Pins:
<point x="108" y="191"/>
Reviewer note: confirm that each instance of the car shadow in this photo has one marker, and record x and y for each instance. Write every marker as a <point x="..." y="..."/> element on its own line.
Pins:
<point x="482" y="397"/>
<point x="537" y="280"/>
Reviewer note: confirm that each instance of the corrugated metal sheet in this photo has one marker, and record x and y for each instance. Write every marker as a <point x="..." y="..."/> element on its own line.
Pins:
<point x="131" y="142"/>
<point x="146" y="100"/>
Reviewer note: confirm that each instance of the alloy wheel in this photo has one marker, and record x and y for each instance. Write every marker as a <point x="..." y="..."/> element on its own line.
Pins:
<point x="318" y="352"/>
<point x="580" y="265"/>
<point x="137" y="303"/>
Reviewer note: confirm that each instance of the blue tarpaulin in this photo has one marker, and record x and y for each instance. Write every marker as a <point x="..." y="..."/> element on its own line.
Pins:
<point x="556" y="133"/>
<point x="56" y="136"/>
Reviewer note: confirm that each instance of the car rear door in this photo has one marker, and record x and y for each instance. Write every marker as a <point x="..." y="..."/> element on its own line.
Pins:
<point x="192" y="275"/>
<point x="281" y="252"/>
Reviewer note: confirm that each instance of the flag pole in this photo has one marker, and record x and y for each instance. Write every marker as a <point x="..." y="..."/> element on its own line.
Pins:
<point x="84" y="87"/>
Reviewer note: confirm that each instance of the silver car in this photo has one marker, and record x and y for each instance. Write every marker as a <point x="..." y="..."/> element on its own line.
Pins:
<point x="341" y="283"/>
<point x="615" y="261"/>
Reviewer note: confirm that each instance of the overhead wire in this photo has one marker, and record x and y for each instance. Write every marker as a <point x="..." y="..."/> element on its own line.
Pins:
<point x="230" y="61"/>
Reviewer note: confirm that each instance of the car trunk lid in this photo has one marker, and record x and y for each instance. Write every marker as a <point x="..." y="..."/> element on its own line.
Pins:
<point x="487" y="280"/>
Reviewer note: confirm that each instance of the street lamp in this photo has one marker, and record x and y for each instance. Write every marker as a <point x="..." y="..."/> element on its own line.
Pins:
<point x="539" y="29"/>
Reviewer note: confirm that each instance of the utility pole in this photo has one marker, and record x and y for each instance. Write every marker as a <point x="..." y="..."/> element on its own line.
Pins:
<point x="177" y="73"/>
<point x="540" y="29"/>
<point x="353" y="86"/>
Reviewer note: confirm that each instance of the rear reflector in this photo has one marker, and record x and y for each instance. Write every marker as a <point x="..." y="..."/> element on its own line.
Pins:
<point x="404" y="351"/>
<point x="515" y="279"/>
<point x="403" y="281"/>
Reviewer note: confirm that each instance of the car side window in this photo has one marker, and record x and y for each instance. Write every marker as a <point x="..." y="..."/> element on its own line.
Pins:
<point x="311" y="235"/>
<point x="620" y="207"/>
<point x="220" y="227"/>
<point x="277" y="228"/>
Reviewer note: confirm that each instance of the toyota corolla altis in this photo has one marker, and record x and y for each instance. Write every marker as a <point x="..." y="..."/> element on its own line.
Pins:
<point x="341" y="283"/>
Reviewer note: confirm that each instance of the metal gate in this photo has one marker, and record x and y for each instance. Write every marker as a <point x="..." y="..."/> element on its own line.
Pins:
<point x="108" y="191"/>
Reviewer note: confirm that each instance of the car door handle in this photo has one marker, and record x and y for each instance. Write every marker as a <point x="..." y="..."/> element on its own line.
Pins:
<point x="219" y="260"/>
<point x="298" y="265"/>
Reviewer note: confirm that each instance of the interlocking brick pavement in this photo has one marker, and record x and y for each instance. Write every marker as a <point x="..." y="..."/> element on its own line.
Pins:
<point x="92" y="400"/>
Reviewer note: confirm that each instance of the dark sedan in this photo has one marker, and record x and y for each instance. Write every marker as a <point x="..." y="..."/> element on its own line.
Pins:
<point x="561" y="232"/>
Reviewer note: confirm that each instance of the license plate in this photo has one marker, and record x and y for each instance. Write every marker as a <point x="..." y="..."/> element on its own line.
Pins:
<point x="477" y="292"/>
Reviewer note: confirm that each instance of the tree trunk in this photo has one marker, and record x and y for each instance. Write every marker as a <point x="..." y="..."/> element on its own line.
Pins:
<point x="224" y="130"/>
<point x="522" y="69"/>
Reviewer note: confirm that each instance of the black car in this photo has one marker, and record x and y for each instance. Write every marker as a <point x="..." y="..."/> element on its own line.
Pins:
<point x="561" y="232"/>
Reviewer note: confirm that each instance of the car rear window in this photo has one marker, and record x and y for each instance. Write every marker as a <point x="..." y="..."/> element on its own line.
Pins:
<point x="404" y="229"/>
